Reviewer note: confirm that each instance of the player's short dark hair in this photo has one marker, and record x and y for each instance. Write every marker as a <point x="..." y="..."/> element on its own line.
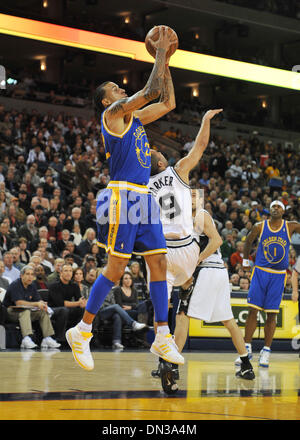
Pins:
<point x="154" y="164"/>
<point x="98" y="96"/>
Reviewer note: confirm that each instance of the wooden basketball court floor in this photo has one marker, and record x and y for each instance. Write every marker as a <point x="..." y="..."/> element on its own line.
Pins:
<point x="48" y="385"/>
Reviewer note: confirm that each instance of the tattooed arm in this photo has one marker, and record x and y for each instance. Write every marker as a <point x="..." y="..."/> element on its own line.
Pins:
<point x="166" y="103"/>
<point x="152" y="89"/>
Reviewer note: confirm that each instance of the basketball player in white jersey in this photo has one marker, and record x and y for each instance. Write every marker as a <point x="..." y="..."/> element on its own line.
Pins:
<point x="171" y="190"/>
<point x="210" y="298"/>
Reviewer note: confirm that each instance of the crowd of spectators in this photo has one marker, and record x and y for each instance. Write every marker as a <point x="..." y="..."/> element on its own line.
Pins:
<point x="51" y="169"/>
<point x="190" y="112"/>
<point x="29" y="84"/>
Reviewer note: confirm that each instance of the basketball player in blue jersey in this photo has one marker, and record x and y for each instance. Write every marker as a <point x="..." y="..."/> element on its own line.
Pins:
<point x="269" y="274"/>
<point x="129" y="158"/>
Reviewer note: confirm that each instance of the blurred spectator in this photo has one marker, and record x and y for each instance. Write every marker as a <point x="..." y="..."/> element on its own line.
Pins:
<point x="76" y="236"/>
<point x="89" y="262"/>
<point x="83" y="175"/>
<point x="24" y="202"/>
<point x="10" y="271"/>
<point x="126" y="295"/>
<point x="228" y="247"/>
<point x="66" y="301"/>
<point x="5" y="240"/>
<point x="54" y="276"/>
<point x="60" y="244"/>
<point x="235" y="281"/>
<point x="272" y="171"/>
<point x="3" y="202"/>
<point x="29" y="230"/>
<point x="16" y="213"/>
<point x="244" y="284"/>
<point x="75" y="218"/>
<point x="228" y="228"/>
<point x="78" y="279"/>
<point x="16" y="254"/>
<point x="89" y="239"/>
<point x="41" y="282"/>
<point x="113" y="312"/>
<point x="292" y="259"/>
<point x="98" y="253"/>
<point x="90" y="277"/>
<point x="171" y="133"/>
<point x="296" y="243"/>
<point x="40" y="199"/>
<point x="288" y="284"/>
<point x="138" y="281"/>
<point x="24" y="252"/>
<point x="22" y="292"/>
<point x="237" y="256"/>
<point x="4" y="281"/>
<point x="54" y="231"/>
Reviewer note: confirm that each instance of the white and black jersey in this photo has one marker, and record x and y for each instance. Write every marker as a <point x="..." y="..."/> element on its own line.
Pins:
<point x="174" y="197"/>
<point x="210" y="300"/>
<point x="215" y="259"/>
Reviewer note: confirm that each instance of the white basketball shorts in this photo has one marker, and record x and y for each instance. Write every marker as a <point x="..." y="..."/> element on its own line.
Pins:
<point x="181" y="263"/>
<point x="210" y="300"/>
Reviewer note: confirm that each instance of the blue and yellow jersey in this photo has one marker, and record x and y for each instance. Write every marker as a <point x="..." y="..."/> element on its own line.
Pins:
<point x="128" y="153"/>
<point x="273" y="247"/>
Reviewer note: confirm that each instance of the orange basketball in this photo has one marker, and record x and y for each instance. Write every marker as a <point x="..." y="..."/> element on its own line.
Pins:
<point x="154" y="35"/>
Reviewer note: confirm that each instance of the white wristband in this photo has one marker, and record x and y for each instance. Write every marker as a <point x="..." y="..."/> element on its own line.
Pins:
<point x="246" y="262"/>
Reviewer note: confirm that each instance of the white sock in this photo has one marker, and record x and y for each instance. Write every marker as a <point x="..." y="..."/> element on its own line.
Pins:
<point x="83" y="327"/>
<point x="244" y="355"/>
<point x="163" y="329"/>
<point x="267" y="348"/>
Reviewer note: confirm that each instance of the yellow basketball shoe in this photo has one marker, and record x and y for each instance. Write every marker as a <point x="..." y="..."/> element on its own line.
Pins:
<point x="165" y="347"/>
<point x="80" y="344"/>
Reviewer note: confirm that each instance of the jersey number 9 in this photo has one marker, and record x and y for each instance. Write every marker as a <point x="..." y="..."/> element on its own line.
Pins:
<point x="169" y="206"/>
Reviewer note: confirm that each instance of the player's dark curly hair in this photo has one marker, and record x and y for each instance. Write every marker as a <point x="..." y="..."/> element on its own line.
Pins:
<point x="98" y="96"/>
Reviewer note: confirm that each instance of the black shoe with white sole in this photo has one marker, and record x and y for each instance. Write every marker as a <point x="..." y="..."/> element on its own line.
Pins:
<point x="246" y="372"/>
<point x="156" y="373"/>
<point x="168" y="382"/>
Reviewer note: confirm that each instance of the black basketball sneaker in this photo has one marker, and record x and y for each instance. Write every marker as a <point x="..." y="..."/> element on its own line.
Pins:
<point x="156" y="373"/>
<point x="246" y="371"/>
<point x="168" y="382"/>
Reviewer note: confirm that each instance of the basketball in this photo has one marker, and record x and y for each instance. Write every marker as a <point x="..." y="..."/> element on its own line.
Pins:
<point x="153" y="34"/>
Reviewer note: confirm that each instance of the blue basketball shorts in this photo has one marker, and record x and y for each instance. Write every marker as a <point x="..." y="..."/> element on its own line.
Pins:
<point x="266" y="289"/>
<point x="128" y="221"/>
